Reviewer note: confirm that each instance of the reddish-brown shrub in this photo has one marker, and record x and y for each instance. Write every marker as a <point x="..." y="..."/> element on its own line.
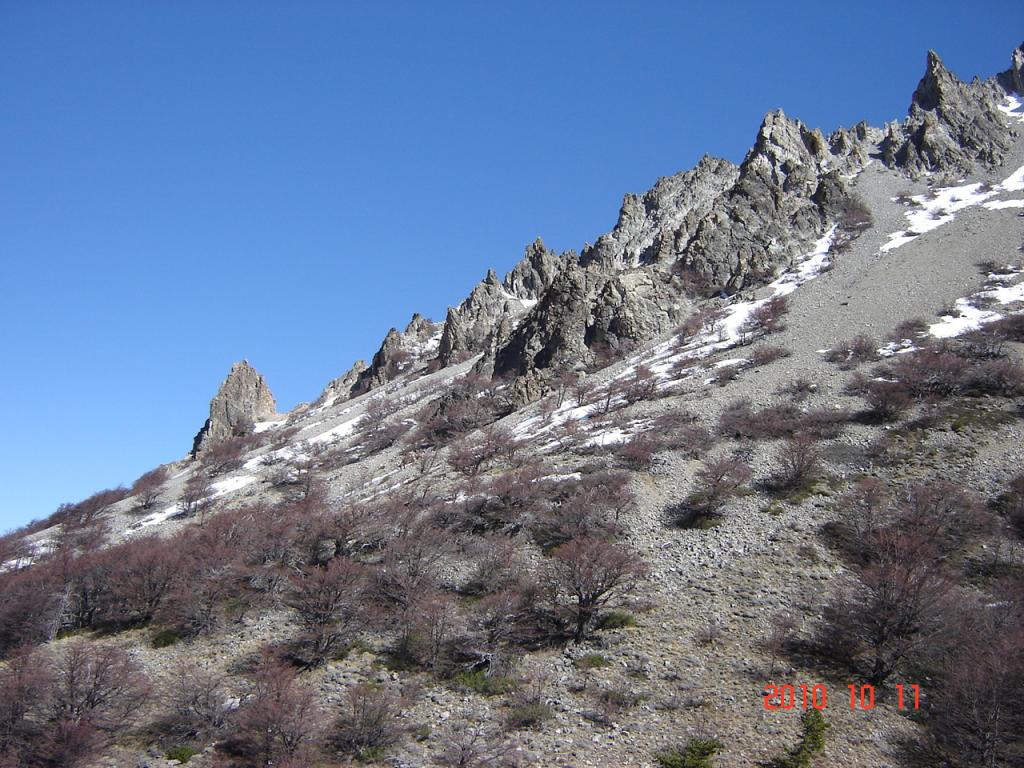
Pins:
<point x="973" y="721"/>
<point x="31" y="602"/>
<point x="767" y="353"/>
<point x="140" y="575"/>
<point x="766" y="318"/>
<point x="719" y="480"/>
<point x="642" y="385"/>
<point x="894" y="606"/>
<point x="799" y="389"/>
<point x="370" y="720"/>
<point x="638" y="451"/>
<point x="327" y="602"/>
<point x="24" y="685"/>
<point x="587" y="508"/>
<point x="279" y="723"/>
<point x="147" y="488"/>
<point x="799" y="460"/>
<point x="196" y="497"/>
<point x="593" y="573"/>
<point x="850" y="354"/>
<point x="223" y="455"/>
<point x="908" y="329"/>
<point x="197" y="703"/>
<point x="887" y="400"/>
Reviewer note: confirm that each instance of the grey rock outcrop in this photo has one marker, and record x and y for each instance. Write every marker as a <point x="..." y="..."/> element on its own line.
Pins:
<point x="1013" y="79"/>
<point x="470" y="327"/>
<point x="554" y="330"/>
<point x="775" y="209"/>
<point x="952" y="127"/>
<point x="341" y="387"/>
<point x="650" y="224"/>
<point x="399" y="353"/>
<point x="731" y="226"/>
<point x="243" y="398"/>
<point x="534" y="272"/>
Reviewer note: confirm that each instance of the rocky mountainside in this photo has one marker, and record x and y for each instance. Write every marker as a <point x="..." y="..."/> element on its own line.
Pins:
<point x="717" y="229"/>
<point x="622" y="508"/>
<point x="243" y="399"/>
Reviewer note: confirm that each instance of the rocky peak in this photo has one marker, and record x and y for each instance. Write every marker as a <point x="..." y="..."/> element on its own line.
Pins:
<point x="534" y="272"/>
<point x="492" y="304"/>
<point x="341" y="387"/>
<point x="553" y="331"/>
<point x="936" y="83"/>
<point x="243" y="398"/>
<point x="786" y="154"/>
<point x="399" y="353"/>
<point x="952" y="126"/>
<point x="650" y="225"/>
<point x="1013" y="78"/>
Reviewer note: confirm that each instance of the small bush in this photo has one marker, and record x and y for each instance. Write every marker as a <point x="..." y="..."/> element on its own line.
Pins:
<point x="717" y="481"/>
<point x="164" y="638"/>
<point x="799" y="462"/>
<point x="591" y="661"/>
<point x="768" y="354"/>
<point x="523" y="716"/>
<point x="765" y="319"/>
<point x="638" y="452"/>
<point x="181" y="754"/>
<point x="799" y="389"/>
<point x="369" y="722"/>
<point x="696" y="754"/>
<point x="850" y="354"/>
<point x="616" y="620"/>
<point x="908" y="329"/>
<point x="812" y="741"/>
<point x="479" y="681"/>
<point x="887" y="400"/>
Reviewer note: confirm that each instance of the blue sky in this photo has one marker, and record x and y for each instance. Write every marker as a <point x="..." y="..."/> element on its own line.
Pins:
<point x="191" y="183"/>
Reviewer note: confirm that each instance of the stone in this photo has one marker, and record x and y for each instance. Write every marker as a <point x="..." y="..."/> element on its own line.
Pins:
<point x="243" y="399"/>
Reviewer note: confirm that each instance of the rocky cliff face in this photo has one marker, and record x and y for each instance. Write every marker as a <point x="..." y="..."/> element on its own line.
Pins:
<point x="398" y="354"/>
<point x="1012" y="79"/>
<point x="493" y="305"/>
<point x="952" y="127"/>
<point x="341" y="387"/>
<point x="714" y="230"/>
<point x="243" y="398"/>
<point x="725" y="227"/>
<point x="649" y="225"/>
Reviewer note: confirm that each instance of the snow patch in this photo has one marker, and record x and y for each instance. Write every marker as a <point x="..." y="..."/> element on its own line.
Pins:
<point x="231" y="484"/>
<point x="344" y="429"/>
<point x="939" y="207"/>
<point x="996" y="205"/>
<point x="1013" y="108"/>
<point x="159" y="517"/>
<point x="263" y="426"/>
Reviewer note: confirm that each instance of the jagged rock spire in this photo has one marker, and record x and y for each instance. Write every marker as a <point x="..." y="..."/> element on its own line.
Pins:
<point x="1013" y="78"/>
<point x="243" y="398"/>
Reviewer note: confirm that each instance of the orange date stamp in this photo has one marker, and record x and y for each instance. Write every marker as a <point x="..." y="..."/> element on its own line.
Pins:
<point x="803" y="696"/>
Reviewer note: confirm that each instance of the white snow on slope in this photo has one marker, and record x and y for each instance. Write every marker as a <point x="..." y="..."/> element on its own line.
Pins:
<point x="344" y="429"/>
<point x="159" y="517"/>
<point x="939" y="207"/>
<point x="970" y="318"/>
<point x="1013" y="108"/>
<point x="996" y="205"/>
<point x="231" y="484"/>
<point x="263" y="426"/>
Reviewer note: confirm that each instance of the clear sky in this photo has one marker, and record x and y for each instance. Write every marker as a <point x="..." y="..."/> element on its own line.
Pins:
<point x="185" y="184"/>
